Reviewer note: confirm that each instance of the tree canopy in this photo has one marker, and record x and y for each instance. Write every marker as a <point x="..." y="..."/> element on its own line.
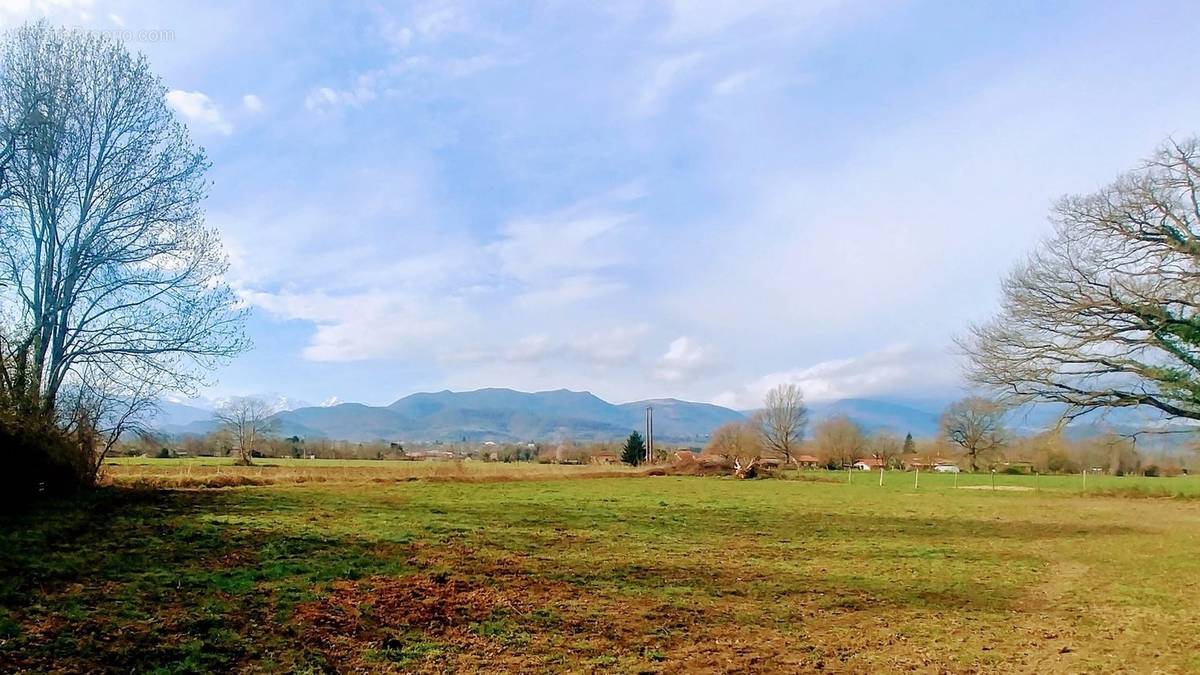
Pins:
<point x="634" y="451"/>
<point x="1106" y="311"/>
<point x="112" y="289"/>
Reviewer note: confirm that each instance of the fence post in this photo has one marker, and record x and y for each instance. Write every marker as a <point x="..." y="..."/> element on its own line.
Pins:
<point x="917" y="479"/>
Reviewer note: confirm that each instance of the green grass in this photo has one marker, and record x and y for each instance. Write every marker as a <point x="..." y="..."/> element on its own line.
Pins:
<point x="1175" y="486"/>
<point x="612" y="574"/>
<point x="222" y="471"/>
<point x="264" y="461"/>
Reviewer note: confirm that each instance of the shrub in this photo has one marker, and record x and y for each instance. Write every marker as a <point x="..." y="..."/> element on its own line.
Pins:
<point x="41" y="459"/>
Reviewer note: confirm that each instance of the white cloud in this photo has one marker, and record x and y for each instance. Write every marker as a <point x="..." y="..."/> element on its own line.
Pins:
<point x="199" y="109"/>
<point x="13" y="12"/>
<point x="116" y="20"/>
<point x="696" y="19"/>
<point x="324" y="98"/>
<point x="560" y="260"/>
<point x="320" y="97"/>
<point x="608" y="348"/>
<point x="617" y="346"/>
<point x="566" y="291"/>
<point x="366" y="88"/>
<point x="368" y="324"/>
<point x="531" y="250"/>
<point x="532" y="348"/>
<point x="732" y="83"/>
<point x="438" y="19"/>
<point x="399" y="36"/>
<point x="684" y="359"/>
<point x="898" y="369"/>
<point x="252" y="103"/>
<point x="664" y="75"/>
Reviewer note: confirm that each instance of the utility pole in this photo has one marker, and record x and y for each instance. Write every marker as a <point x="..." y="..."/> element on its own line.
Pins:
<point x="649" y="434"/>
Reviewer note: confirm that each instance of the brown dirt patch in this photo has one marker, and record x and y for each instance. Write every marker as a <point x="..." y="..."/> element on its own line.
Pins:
<point x="419" y="601"/>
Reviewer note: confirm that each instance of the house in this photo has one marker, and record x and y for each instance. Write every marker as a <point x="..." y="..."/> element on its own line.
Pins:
<point x="807" y="461"/>
<point x="868" y="464"/>
<point x="1019" y="467"/>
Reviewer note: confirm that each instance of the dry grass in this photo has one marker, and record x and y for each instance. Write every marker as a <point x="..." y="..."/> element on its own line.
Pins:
<point x="148" y="473"/>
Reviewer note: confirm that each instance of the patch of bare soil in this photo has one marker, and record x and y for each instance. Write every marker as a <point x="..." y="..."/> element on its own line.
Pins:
<point x="509" y="615"/>
<point x="418" y="601"/>
<point x="524" y="624"/>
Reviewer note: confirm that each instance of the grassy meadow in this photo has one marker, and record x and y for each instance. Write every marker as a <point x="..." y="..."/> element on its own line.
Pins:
<point x="500" y="568"/>
<point x="223" y="472"/>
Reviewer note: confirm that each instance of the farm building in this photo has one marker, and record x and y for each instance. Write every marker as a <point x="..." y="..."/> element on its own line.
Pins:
<point x="868" y="464"/>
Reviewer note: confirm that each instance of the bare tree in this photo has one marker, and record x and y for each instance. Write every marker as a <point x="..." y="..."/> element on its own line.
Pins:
<point x="740" y="444"/>
<point x="976" y="424"/>
<point x="1105" y="313"/>
<point x="110" y="284"/>
<point x="246" y="420"/>
<point x="783" y="420"/>
<point x="18" y="125"/>
<point x="839" y="441"/>
<point x="886" y="447"/>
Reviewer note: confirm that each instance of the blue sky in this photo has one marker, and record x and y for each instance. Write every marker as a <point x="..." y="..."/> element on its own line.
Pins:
<point x="676" y="198"/>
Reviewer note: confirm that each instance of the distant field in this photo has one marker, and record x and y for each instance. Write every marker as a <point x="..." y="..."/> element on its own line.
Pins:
<point x="653" y="574"/>
<point x="195" y="470"/>
<point x="221" y="471"/>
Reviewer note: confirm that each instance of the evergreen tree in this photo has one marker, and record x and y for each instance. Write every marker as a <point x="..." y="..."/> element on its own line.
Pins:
<point x="634" y="451"/>
<point x="910" y="447"/>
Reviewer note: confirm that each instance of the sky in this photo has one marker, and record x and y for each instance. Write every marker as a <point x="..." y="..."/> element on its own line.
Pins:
<point x="644" y="198"/>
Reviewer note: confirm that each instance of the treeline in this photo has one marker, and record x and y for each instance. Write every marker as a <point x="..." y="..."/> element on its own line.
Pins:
<point x="224" y="443"/>
<point x="1052" y="452"/>
<point x="838" y="443"/>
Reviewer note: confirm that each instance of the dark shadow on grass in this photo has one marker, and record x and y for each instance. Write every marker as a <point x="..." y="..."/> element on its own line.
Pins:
<point x="122" y="580"/>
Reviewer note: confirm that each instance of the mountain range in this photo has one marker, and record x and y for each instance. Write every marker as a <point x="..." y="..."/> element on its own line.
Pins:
<point x="481" y="415"/>
<point x="505" y="415"/>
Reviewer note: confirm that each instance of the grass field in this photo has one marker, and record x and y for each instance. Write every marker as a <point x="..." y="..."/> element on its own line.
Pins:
<point x="614" y="574"/>
<point x="222" y="472"/>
